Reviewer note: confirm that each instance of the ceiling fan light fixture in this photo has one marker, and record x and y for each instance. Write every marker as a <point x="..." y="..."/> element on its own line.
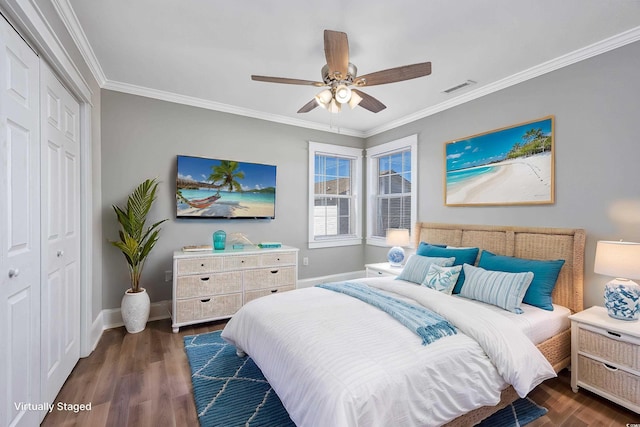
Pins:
<point x="324" y="98"/>
<point x="355" y="100"/>
<point x="343" y="94"/>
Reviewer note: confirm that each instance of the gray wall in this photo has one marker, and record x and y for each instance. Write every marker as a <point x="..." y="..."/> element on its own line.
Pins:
<point x="596" y="104"/>
<point x="141" y="138"/>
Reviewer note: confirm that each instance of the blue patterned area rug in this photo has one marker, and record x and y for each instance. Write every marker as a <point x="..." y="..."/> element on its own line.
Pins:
<point x="230" y="391"/>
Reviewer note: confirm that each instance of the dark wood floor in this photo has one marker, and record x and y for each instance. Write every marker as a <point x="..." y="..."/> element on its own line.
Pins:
<point x="144" y="380"/>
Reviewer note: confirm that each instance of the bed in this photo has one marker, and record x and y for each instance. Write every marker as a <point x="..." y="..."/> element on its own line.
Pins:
<point x="320" y="361"/>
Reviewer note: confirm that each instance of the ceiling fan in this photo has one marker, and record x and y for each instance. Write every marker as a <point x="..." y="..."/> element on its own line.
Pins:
<point x="340" y="78"/>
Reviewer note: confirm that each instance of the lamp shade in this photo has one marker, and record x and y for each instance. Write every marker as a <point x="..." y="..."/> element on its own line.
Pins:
<point x="398" y="237"/>
<point x="618" y="259"/>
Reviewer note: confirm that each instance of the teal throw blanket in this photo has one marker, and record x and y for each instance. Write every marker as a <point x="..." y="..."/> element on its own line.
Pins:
<point x="428" y="325"/>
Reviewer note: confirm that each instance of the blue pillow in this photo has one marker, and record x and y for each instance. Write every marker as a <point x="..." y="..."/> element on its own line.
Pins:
<point x="498" y="288"/>
<point x="442" y="279"/>
<point x="425" y="244"/>
<point x="417" y="267"/>
<point x="545" y="275"/>
<point x="461" y="255"/>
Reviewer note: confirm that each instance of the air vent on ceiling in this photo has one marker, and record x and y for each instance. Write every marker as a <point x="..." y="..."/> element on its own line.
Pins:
<point x="460" y="86"/>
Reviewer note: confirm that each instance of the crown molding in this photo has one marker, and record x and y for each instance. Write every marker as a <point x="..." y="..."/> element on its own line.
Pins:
<point x="224" y="108"/>
<point x="71" y="22"/>
<point x="598" y="48"/>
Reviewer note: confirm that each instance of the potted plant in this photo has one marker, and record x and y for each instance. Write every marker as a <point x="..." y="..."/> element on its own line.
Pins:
<point x="136" y="242"/>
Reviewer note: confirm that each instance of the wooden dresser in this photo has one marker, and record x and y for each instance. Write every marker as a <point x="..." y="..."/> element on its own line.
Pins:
<point x="215" y="284"/>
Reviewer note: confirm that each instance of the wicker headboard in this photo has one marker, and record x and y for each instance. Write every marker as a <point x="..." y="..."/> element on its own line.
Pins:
<point x="521" y="242"/>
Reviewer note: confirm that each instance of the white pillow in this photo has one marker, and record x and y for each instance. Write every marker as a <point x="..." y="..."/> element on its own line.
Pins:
<point x="442" y="279"/>
<point x="505" y="290"/>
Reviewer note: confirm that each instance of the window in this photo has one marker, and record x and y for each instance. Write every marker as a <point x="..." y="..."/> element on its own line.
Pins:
<point x="391" y="188"/>
<point x="335" y="183"/>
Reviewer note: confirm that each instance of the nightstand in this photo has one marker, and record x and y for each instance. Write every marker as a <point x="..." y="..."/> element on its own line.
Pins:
<point x="382" y="269"/>
<point x="605" y="356"/>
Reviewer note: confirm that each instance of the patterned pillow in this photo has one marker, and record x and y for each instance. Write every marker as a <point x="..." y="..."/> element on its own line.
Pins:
<point x="461" y="255"/>
<point x="505" y="290"/>
<point x="417" y="266"/>
<point x="442" y="279"/>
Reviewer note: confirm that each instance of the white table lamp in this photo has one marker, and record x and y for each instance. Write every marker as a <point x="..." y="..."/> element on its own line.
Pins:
<point x="620" y="260"/>
<point x="397" y="238"/>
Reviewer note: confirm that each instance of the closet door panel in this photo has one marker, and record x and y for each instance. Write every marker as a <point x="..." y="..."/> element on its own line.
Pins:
<point x="61" y="239"/>
<point x="19" y="230"/>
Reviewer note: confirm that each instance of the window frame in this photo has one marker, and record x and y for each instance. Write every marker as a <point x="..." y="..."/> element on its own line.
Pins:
<point x="355" y="155"/>
<point x="372" y="155"/>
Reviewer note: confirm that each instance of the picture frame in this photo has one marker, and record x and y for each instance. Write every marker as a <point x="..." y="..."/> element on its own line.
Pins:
<point x="513" y="165"/>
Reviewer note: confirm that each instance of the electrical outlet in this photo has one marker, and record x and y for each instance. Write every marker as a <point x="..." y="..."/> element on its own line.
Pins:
<point x="305" y="260"/>
<point x="168" y="276"/>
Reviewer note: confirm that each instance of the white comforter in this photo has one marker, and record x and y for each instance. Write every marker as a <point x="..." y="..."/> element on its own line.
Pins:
<point x="336" y="361"/>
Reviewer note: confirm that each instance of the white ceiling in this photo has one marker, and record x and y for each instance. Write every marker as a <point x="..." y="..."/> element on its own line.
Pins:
<point x="202" y="52"/>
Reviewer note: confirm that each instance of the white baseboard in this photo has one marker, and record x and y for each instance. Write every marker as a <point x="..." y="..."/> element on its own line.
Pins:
<point x="307" y="283"/>
<point x="112" y="318"/>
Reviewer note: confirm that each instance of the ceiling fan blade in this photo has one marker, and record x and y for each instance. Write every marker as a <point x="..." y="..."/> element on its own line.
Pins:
<point x="336" y="50"/>
<point x="393" y="75"/>
<point x="285" y="80"/>
<point x="369" y="102"/>
<point x="308" y="106"/>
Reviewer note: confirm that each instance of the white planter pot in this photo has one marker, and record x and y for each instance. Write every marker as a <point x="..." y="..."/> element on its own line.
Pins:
<point x="135" y="310"/>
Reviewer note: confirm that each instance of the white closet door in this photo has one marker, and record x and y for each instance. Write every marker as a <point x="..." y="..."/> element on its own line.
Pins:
<point x="61" y="233"/>
<point x="19" y="231"/>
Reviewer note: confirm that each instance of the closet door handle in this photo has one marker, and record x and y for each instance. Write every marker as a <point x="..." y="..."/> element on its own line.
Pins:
<point x="13" y="272"/>
<point x="60" y="253"/>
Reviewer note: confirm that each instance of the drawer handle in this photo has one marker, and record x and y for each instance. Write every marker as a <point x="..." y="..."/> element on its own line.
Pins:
<point x="204" y="279"/>
<point x="205" y="300"/>
<point x="609" y="367"/>
<point x="201" y="265"/>
<point x="274" y="271"/>
<point x="615" y="334"/>
<point x="273" y="291"/>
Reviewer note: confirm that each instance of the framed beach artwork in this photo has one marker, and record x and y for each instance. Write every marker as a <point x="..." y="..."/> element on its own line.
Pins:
<point x="508" y="166"/>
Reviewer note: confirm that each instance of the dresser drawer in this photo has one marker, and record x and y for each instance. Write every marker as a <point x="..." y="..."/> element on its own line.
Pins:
<point x="278" y="258"/>
<point x="608" y="379"/>
<point x="209" y="284"/>
<point x="265" y="278"/>
<point x="241" y="261"/>
<point x="251" y="295"/>
<point x="598" y="343"/>
<point x="208" y="308"/>
<point x="199" y="265"/>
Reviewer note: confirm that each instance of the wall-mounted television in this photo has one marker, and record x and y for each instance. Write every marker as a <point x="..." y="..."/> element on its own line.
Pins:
<point x="216" y="188"/>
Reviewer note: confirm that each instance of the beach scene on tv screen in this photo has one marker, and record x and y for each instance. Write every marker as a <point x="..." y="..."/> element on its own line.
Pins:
<point x="225" y="188"/>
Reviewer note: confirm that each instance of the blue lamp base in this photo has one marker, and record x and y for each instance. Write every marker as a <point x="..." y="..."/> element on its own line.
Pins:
<point x="395" y="256"/>
<point x="622" y="299"/>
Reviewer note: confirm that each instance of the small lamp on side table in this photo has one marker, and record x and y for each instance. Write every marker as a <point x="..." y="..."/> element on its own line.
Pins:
<point x="397" y="238"/>
<point x="620" y="260"/>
